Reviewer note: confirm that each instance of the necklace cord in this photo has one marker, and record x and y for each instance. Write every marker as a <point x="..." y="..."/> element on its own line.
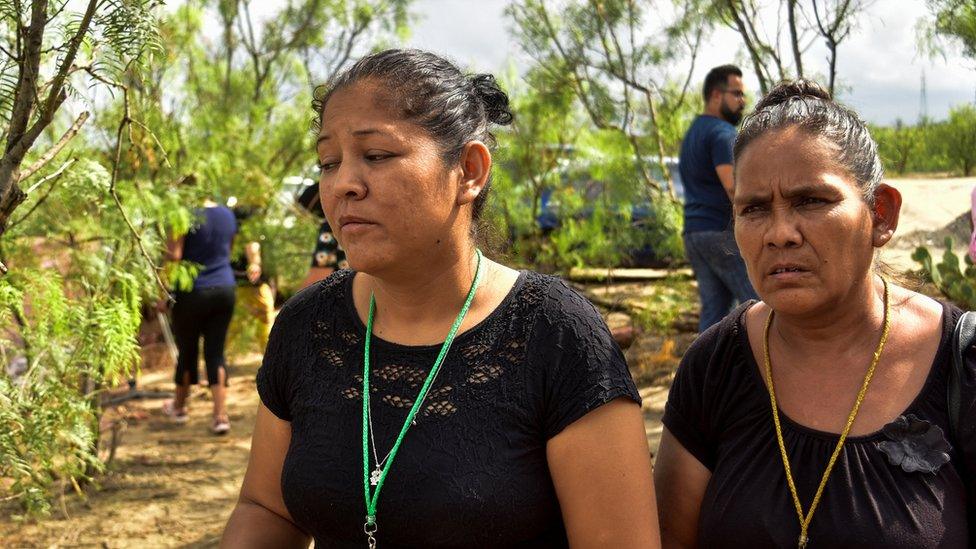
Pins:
<point x="373" y="499"/>
<point x="805" y="520"/>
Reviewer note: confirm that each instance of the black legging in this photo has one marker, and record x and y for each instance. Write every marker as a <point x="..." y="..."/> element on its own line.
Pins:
<point x="203" y="312"/>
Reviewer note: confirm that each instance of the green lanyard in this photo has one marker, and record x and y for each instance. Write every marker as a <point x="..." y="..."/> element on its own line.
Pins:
<point x="370" y="526"/>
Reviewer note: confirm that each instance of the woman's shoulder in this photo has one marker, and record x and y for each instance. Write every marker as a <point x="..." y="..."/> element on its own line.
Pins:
<point x="329" y="292"/>
<point x="558" y="296"/>
<point x="730" y="332"/>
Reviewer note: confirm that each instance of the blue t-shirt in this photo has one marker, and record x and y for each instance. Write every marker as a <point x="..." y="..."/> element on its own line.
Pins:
<point x="707" y="144"/>
<point x="208" y="243"/>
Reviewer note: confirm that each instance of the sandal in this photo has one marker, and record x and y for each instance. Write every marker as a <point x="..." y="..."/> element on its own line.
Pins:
<point x="220" y="425"/>
<point x="178" y="415"/>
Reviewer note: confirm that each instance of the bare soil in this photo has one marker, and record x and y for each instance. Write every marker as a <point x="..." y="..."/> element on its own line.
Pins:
<point x="168" y="485"/>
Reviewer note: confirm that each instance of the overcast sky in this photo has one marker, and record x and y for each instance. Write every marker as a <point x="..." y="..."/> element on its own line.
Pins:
<point x="878" y="66"/>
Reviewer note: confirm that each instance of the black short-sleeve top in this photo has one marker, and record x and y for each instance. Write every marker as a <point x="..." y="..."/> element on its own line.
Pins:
<point x="472" y="472"/>
<point x="719" y="410"/>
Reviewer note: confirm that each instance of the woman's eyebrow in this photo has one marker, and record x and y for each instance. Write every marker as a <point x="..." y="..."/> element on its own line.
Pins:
<point x="357" y="133"/>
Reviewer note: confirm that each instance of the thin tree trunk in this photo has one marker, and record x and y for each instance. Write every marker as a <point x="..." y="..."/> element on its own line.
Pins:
<point x="794" y="38"/>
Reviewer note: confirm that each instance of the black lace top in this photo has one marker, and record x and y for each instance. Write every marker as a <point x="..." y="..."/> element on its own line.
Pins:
<point x="473" y="471"/>
<point x="718" y="409"/>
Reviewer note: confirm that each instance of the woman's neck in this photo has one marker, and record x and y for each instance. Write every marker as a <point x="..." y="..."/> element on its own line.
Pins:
<point x="425" y="295"/>
<point x="853" y="322"/>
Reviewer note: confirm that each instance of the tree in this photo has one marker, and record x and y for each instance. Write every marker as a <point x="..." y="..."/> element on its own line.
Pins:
<point x="41" y="56"/>
<point x="620" y="72"/>
<point x="67" y="319"/>
<point x="236" y="113"/>
<point x="959" y="138"/>
<point x="898" y="145"/>
<point x="82" y="265"/>
<point x="536" y="149"/>
<point x="779" y="52"/>
<point x="955" y="20"/>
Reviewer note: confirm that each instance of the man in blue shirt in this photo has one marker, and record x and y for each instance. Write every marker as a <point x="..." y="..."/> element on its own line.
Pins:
<point x="706" y="171"/>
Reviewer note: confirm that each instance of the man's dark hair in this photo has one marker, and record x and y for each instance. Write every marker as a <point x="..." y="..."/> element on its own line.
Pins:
<point x="718" y="78"/>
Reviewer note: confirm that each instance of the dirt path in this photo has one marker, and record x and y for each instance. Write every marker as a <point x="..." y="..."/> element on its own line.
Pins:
<point x="169" y="486"/>
<point x="928" y="207"/>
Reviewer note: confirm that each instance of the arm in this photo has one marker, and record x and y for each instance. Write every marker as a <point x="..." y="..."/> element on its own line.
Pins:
<point x="174" y="249"/>
<point x="724" y="172"/>
<point x="173" y="252"/>
<point x="252" y="250"/>
<point x="260" y="518"/>
<point x="605" y="502"/>
<point x="680" y="480"/>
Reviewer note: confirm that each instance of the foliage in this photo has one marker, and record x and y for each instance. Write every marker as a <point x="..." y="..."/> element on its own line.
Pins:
<point x="956" y="280"/>
<point x="197" y="119"/>
<point x="959" y="137"/>
<point x="232" y="115"/>
<point x="930" y="146"/>
<point x="899" y="145"/>
<point x="593" y="190"/>
<point x="48" y="429"/>
<point x="955" y="20"/>
<point x="56" y="54"/>
<point x="619" y="59"/>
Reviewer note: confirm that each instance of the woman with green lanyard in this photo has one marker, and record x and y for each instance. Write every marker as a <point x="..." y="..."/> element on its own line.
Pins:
<point x="819" y="416"/>
<point x="429" y="396"/>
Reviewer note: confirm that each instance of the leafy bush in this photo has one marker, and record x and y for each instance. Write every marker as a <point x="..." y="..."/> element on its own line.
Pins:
<point x="49" y="401"/>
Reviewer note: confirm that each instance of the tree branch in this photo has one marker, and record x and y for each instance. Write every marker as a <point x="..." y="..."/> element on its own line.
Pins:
<point x="51" y="177"/>
<point x="53" y="151"/>
<point x="27" y="82"/>
<point x="123" y="124"/>
<point x="794" y="38"/>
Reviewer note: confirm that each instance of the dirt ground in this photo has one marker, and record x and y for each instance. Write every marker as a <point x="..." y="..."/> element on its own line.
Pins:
<point x="174" y="486"/>
<point x="929" y="208"/>
<point x="168" y="486"/>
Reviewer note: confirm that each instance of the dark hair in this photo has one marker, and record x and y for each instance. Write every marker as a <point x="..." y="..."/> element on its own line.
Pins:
<point x="806" y="105"/>
<point x="455" y="108"/>
<point x="718" y="78"/>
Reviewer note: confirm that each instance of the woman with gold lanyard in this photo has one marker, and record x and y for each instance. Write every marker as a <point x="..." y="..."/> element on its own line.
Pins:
<point x="816" y="417"/>
<point x="431" y="397"/>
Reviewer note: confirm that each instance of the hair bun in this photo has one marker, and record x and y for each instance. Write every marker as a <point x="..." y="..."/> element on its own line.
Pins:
<point x="793" y="90"/>
<point x="493" y="98"/>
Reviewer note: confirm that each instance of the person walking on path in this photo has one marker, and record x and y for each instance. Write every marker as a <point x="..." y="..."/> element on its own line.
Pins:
<point x="205" y="311"/>
<point x="706" y="170"/>
<point x="255" y="292"/>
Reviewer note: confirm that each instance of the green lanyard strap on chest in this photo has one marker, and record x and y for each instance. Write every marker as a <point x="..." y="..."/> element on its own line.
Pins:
<point x="373" y="498"/>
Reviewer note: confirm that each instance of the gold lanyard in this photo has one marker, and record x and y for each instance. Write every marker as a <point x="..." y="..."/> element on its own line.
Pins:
<point x="805" y="520"/>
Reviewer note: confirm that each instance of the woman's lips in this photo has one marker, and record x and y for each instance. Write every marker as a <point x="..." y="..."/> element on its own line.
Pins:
<point x="786" y="272"/>
<point x="356" y="227"/>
